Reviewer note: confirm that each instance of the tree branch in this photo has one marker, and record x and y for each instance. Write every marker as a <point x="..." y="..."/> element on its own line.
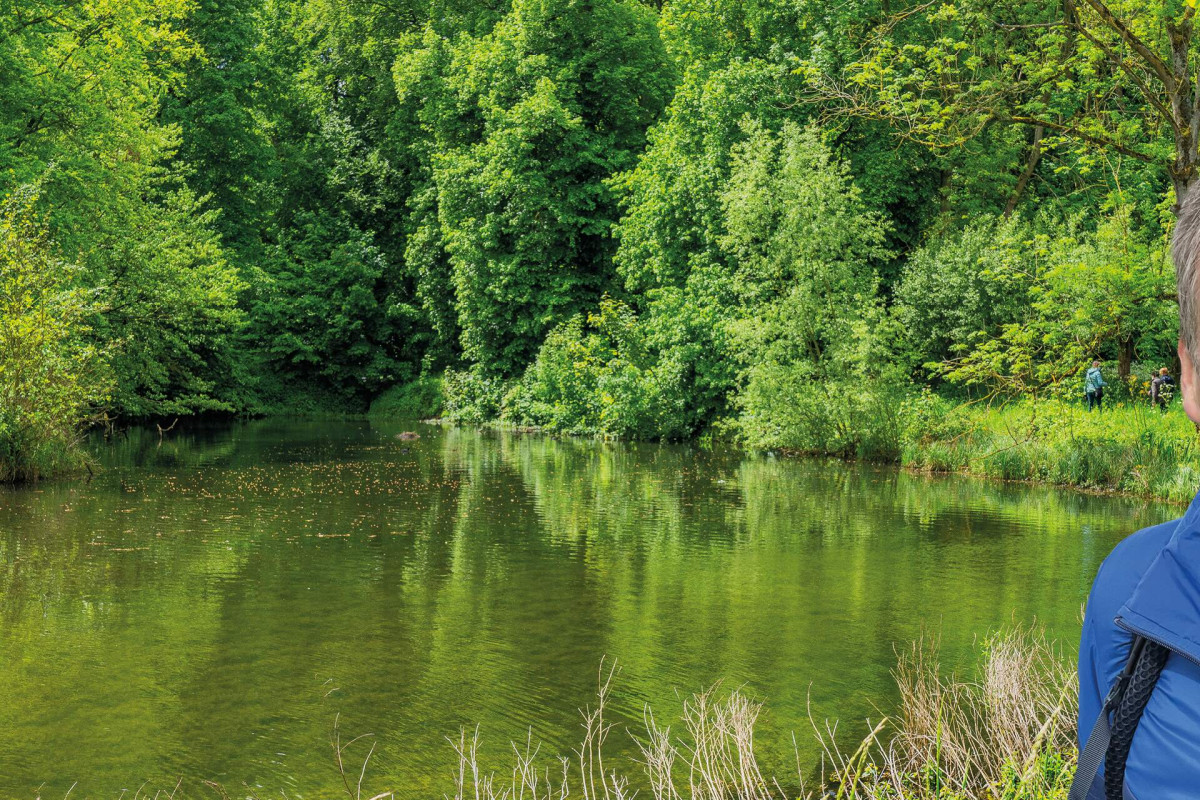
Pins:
<point x="1152" y="59"/>
<point x="1099" y="141"/>
<point x="1115" y="58"/>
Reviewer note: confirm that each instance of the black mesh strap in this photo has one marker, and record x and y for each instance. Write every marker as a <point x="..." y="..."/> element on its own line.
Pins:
<point x="1127" y="715"/>
<point x="1101" y="736"/>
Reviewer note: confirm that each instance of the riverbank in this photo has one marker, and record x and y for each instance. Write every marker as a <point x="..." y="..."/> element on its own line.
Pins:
<point x="1128" y="448"/>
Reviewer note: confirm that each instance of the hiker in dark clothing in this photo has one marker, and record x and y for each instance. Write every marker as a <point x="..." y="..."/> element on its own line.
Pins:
<point x="1160" y="389"/>
<point x="1093" y="387"/>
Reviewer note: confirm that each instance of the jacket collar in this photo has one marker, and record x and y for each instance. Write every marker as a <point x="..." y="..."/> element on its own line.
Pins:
<point x="1165" y="605"/>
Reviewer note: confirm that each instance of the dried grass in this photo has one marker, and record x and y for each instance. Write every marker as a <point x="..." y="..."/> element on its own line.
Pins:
<point x="1006" y="734"/>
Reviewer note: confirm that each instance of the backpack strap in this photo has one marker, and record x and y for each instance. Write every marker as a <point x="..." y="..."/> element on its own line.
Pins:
<point x="1097" y="744"/>
<point x="1110" y="741"/>
<point x="1128" y="714"/>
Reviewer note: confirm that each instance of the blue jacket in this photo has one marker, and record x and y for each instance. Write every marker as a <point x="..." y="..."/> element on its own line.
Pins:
<point x="1149" y="584"/>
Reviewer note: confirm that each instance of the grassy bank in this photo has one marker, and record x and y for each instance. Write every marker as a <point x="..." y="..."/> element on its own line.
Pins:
<point x="1129" y="447"/>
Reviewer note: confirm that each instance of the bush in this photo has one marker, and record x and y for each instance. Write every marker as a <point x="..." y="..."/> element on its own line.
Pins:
<point x="956" y="291"/>
<point x="471" y="395"/>
<point x="601" y="376"/>
<point x="421" y="398"/>
<point x="786" y="407"/>
<point x="50" y="380"/>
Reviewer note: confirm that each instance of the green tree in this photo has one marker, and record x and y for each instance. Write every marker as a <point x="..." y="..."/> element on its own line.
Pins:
<point x="812" y="340"/>
<point x="958" y="290"/>
<point x="550" y="103"/>
<point x="1090" y="79"/>
<point x="81" y="118"/>
<point x="51" y="380"/>
<point x="1083" y="295"/>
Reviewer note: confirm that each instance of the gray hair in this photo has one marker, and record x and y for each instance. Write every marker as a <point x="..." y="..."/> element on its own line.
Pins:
<point x="1185" y="249"/>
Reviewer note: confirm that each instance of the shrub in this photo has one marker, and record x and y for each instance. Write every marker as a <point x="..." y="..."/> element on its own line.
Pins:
<point x="471" y="395"/>
<point x="602" y="376"/>
<point x="419" y="398"/>
<point x="50" y="380"/>
<point x="953" y="292"/>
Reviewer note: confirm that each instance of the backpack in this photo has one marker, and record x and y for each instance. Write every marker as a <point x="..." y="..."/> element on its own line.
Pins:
<point x="1110" y="741"/>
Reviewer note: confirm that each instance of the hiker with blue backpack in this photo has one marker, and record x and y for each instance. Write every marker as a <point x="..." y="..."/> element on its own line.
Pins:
<point x="1139" y="656"/>
<point x="1093" y="387"/>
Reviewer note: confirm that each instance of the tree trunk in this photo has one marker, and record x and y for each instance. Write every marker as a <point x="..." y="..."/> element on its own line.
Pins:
<point x="1185" y="108"/>
<point x="1125" y="359"/>
<point x="1035" y="155"/>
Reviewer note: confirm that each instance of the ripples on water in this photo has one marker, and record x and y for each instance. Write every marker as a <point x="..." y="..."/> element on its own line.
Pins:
<point x="207" y="606"/>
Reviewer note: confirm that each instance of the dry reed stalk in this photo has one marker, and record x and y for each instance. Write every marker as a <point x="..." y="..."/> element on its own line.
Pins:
<point x="972" y="739"/>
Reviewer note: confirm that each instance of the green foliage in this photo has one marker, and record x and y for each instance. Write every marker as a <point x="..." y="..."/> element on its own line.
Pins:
<point x="170" y="311"/>
<point x="1079" y="294"/>
<point x="958" y="290"/>
<point x="421" y="398"/>
<point x="471" y="395"/>
<point x="82" y="85"/>
<point x="544" y="108"/>
<point x="51" y="379"/>
<point x="768" y="220"/>
<point x="319" y="300"/>
<point x="673" y="217"/>
<point x="816" y="378"/>
<point x="1042" y="78"/>
<point x="602" y="378"/>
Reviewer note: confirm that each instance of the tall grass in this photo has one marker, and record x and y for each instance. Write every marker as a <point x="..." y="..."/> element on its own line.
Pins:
<point x="1007" y="733"/>
<point x="1125" y="448"/>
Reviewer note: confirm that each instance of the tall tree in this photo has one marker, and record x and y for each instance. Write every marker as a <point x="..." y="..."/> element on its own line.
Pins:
<point x="534" y="116"/>
<point x="1092" y="78"/>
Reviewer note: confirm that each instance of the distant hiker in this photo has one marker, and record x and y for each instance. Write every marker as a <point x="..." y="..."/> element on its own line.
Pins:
<point x="1093" y="386"/>
<point x="1160" y="389"/>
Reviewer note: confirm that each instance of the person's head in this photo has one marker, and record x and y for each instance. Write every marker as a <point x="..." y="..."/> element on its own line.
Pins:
<point x="1163" y="371"/>
<point x="1185" y="250"/>
<point x="1095" y="363"/>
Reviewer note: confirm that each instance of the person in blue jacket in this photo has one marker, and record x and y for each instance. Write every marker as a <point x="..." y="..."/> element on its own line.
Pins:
<point x="1146" y="599"/>
<point x="1093" y="386"/>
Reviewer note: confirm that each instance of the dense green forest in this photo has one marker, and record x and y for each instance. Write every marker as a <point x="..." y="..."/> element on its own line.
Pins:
<point x="798" y="224"/>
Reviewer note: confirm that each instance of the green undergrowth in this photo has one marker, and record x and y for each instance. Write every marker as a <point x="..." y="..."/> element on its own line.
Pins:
<point x="418" y="399"/>
<point x="1129" y="447"/>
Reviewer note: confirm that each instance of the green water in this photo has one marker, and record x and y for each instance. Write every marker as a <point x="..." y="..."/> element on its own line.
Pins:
<point x="205" y="607"/>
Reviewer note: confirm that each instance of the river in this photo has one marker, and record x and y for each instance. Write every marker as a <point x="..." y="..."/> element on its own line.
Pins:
<point x="207" y="605"/>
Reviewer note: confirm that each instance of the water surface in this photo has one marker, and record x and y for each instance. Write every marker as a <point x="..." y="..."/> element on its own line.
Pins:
<point x="207" y="605"/>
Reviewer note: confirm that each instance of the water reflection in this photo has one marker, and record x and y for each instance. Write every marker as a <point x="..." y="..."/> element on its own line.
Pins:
<point x="206" y="605"/>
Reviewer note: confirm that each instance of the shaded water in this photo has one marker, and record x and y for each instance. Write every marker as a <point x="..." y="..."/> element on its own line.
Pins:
<point x="205" y="607"/>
